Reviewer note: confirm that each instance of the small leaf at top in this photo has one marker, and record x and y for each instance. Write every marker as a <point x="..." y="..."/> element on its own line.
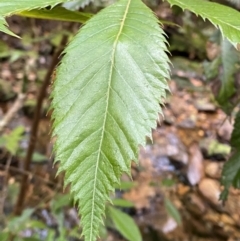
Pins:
<point x="225" y="18"/>
<point x="8" y="8"/>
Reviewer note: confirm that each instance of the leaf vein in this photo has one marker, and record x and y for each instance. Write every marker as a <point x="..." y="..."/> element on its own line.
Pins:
<point x="105" y="117"/>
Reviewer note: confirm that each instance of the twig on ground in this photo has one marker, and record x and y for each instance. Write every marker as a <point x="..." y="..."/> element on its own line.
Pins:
<point x="34" y="128"/>
<point x="12" y="111"/>
<point x="29" y="174"/>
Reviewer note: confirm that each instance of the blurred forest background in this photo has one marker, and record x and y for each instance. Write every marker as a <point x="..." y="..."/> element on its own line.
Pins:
<point x="175" y="191"/>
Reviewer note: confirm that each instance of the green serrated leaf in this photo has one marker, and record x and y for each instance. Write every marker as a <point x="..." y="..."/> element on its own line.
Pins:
<point x="225" y="18"/>
<point x="230" y="174"/>
<point x="11" y="7"/>
<point x="235" y="138"/>
<point x="125" y="224"/>
<point x="106" y="100"/>
<point x="8" y="8"/>
<point x="3" y="27"/>
<point x="57" y="13"/>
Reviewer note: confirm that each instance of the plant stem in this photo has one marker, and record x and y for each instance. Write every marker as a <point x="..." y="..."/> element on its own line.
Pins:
<point x="34" y="128"/>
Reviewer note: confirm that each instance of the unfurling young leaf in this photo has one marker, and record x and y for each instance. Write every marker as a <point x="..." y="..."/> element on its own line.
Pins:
<point x="106" y="101"/>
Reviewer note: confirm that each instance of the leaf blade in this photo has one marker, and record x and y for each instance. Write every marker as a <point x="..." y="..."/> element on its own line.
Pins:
<point x="225" y="18"/>
<point x="4" y="28"/>
<point x="114" y="102"/>
<point x="8" y="8"/>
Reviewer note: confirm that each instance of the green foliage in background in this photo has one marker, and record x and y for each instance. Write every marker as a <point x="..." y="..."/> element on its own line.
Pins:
<point x="11" y="141"/>
<point x="172" y="210"/>
<point x="57" y="13"/>
<point x="125" y="224"/>
<point x="225" y="67"/>
<point x="115" y="219"/>
<point x="231" y="169"/>
<point x="107" y="93"/>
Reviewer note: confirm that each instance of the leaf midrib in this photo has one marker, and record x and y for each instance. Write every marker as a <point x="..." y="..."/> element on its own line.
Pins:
<point x="106" y="113"/>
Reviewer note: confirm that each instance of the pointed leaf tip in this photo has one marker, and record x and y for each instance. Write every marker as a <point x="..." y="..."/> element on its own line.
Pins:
<point x="106" y="101"/>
